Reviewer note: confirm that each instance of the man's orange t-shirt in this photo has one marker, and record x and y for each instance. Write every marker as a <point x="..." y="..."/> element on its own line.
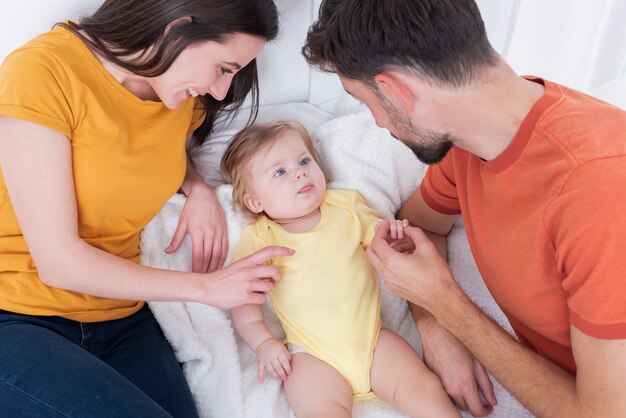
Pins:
<point x="546" y="220"/>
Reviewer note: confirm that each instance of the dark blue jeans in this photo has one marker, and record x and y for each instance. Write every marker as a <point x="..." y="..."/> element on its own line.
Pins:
<point x="54" y="367"/>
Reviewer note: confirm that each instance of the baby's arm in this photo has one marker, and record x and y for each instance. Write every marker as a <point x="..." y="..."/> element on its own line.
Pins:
<point x="271" y="354"/>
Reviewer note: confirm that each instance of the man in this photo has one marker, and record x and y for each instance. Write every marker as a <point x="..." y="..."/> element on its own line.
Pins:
<point x="538" y="172"/>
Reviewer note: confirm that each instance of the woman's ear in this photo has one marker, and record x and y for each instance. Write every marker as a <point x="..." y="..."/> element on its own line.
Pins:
<point x="252" y="203"/>
<point x="394" y="86"/>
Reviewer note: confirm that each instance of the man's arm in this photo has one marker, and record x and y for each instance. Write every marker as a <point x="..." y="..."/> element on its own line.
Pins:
<point x="418" y="213"/>
<point x="544" y="388"/>
<point x="462" y="376"/>
<point x="425" y="279"/>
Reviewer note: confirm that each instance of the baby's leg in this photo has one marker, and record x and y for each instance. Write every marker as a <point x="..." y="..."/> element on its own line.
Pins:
<point x="315" y="389"/>
<point x="399" y="377"/>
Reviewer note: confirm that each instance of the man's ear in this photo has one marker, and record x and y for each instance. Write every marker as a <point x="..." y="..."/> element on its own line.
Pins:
<point x="398" y="87"/>
<point x="252" y="203"/>
<point x="178" y="22"/>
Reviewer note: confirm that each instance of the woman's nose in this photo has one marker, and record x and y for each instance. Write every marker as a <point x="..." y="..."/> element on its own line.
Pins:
<point x="219" y="89"/>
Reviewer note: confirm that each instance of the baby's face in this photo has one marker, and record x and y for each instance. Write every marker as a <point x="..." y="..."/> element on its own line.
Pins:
<point x="285" y="181"/>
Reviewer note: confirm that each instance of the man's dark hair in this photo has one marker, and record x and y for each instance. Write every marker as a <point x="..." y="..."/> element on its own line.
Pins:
<point x="440" y="41"/>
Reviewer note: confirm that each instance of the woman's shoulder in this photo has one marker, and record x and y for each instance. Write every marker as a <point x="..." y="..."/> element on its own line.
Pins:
<point x="58" y="45"/>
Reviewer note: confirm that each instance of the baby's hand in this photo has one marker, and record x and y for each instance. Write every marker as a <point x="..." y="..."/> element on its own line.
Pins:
<point x="272" y="355"/>
<point x="396" y="229"/>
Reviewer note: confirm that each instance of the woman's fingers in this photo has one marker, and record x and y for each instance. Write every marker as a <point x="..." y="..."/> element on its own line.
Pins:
<point x="224" y="251"/>
<point x="177" y="239"/>
<point x="264" y="254"/>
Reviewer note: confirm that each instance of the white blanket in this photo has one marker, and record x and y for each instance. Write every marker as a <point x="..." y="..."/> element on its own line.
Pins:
<point x="220" y="368"/>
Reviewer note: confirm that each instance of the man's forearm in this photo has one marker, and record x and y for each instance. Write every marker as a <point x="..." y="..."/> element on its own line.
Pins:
<point x="544" y="388"/>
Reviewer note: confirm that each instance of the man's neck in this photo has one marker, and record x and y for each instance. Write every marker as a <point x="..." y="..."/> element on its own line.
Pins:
<point x="487" y="116"/>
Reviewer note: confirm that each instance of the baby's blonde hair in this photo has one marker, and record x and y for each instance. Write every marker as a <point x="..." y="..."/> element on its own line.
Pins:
<point x="246" y="144"/>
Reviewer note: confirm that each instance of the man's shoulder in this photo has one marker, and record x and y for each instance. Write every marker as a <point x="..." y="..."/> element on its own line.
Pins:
<point x="584" y="127"/>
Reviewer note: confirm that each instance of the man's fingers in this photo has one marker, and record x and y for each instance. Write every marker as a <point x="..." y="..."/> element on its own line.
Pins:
<point x="484" y="383"/>
<point x="403" y="246"/>
<point x="382" y="230"/>
<point x="474" y="403"/>
<point x="416" y="234"/>
<point x="375" y="259"/>
<point x="477" y="409"/>
<point x="459" y="402"/>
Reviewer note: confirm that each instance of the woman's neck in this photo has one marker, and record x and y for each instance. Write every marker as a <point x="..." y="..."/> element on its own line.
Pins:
<point x="135" y="84"/>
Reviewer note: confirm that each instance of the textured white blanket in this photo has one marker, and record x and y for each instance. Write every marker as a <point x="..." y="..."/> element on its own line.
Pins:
<point x="220" y="368"/>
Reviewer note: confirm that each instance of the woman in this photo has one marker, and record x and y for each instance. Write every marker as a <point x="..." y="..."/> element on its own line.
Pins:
<point x="94" y="120"/>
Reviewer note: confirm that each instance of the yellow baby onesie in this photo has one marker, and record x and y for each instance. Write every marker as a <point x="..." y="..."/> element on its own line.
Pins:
<point x="327" y="300"/>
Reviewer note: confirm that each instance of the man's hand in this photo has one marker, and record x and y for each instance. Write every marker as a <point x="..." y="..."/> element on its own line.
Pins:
<point x="421" y="277"/>
<point x="463" y="377"/>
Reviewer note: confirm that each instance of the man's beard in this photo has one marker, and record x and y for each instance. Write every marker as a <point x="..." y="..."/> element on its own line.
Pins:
<point x="428" y="146"/>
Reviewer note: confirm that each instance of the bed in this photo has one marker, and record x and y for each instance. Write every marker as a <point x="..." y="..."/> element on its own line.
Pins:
<point x="587" y="53"/>
<point x="359" y="156"/>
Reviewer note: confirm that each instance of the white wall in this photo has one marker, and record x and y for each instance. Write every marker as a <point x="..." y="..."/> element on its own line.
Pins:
<point x="580" y="43"/>
<point x="22" y="20"/>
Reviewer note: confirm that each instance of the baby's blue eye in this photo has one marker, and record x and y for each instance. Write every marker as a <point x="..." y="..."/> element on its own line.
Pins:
<point x="305" y="161"/>
<point x="279" y="172"/>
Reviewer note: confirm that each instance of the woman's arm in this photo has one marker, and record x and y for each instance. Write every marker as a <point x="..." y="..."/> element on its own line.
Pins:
<point x="204" y="220"/>
<point x="37" y="166"/>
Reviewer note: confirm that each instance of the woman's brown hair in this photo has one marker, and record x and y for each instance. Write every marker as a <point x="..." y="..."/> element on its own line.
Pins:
<point x="120" y="29"/>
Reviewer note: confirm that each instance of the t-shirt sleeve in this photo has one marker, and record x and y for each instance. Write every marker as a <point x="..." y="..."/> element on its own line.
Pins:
<point x="368" y="218"/>
<point x="439" y="189"/>
<point x="34" y="87"/>
<point x="587" y="224"/>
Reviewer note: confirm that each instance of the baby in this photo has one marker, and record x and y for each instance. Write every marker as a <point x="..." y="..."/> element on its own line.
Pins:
<point x="328" y="300"/>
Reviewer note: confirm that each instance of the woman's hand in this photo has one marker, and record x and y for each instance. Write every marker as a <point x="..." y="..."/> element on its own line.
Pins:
<point x="245" y="281"/>
<point x="203" y="219"/>
<point x="272" y="355"/>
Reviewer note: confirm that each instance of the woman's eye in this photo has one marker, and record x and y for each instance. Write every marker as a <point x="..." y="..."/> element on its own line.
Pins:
<point x="225" y="70"/>
<point x="279" y="172"/>
<point x="305" y="161"/>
